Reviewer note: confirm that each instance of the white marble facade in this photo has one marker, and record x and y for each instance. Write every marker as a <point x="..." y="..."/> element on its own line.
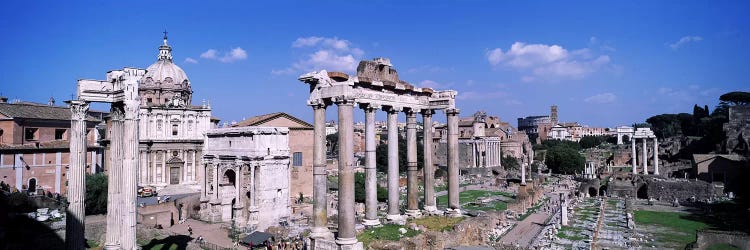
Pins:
<point x="170" y="128"/>
<point x="247" y="176"/>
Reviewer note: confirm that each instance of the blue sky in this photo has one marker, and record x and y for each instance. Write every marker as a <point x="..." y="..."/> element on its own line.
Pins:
<point x="602" y="63"/>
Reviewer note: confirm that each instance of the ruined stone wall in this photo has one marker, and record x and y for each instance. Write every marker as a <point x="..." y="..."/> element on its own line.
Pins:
<point x="682" y="190"/>
<point x="708" y="238"/>
<point x="737" y="130"/>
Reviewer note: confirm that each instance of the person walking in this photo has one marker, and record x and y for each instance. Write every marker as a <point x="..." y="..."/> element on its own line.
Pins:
<point x="190" y="230"/>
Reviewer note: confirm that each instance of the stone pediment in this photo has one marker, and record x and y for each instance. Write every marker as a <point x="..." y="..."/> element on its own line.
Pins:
<point x="175" y="159"/>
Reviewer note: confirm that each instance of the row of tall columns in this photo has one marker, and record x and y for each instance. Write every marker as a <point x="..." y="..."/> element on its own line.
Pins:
<point x="644" y="156"/>
<point x="74" y="227"/>
<point x="114" y="200"/>
<point x="346" y="235"/>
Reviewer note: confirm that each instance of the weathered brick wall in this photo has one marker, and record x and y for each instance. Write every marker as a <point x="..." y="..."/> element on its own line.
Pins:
<point x="708" y="238"/>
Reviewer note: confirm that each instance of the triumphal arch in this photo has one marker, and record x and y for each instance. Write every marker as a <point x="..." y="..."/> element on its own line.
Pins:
<point x="376" y="87"/>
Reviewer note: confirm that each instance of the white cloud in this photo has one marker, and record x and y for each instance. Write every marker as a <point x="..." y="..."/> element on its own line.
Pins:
<point x="233" y="55"/>
<point x="191" y="60"/>
<point x="430" y="84"/>
<point x="209" y="54"/>
<point x="684" y="40"/>
<point x="332" y="54"/>
<point x="480" y="95"/>
<point x="541" y="61"/>
<point x="602" y="98"/>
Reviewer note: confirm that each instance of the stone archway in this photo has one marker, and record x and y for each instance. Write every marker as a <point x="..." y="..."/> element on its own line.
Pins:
<point x="592" y="192"/>
<point x="642" y="192"/>
<point x="32" y="185"/>
<point x="603" y="190"/>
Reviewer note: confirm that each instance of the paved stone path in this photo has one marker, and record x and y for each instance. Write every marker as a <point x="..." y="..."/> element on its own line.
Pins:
<point x="526" y="230"/>
<point x="212" y="233"/>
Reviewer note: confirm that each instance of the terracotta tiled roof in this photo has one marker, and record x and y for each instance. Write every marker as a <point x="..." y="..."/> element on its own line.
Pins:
<point x="38" y="111"/>
<point x="258" y="120"/>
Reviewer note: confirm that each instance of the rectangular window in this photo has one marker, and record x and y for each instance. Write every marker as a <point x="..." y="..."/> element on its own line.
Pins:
<point x="59" y="133"/>
<point x="149" y="100"/>
<point x="30" y="134"/>
<point x="174" y="129"/>
<point x="297" y="159"/>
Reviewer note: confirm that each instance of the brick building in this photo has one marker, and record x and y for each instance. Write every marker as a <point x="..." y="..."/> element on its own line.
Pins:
<point x="34" y="147"/>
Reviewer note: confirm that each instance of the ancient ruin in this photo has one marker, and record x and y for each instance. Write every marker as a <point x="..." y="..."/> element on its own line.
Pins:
<point x="120" y="89"/>
<point x="247" y="176"/>
<point x="376" y="86"/>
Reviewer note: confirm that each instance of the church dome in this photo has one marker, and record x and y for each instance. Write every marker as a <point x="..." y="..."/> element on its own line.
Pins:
<point x="164" y="74"/>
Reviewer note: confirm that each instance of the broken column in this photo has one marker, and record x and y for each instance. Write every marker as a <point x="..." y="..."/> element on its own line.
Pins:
<point x="429" y="169"/>
<point x="371" y="178"/>
<point x="656" y="156"/>
<point x="412" y="206"/>
<point x="454" y="207"/>
<point x="114" y="200"/>
<point x="347" y="236"/>
<point x="320" y="180"/>
<point x="394" y="212"/>
<point x="644" y="153"/>
<point x="633" y="155"/>
<point x="74" y="226"/>
<point x="563" y="210"/>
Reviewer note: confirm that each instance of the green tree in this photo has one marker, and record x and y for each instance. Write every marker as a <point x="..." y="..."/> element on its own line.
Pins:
<point x="381" y="155"/>
<point x="736" y="98"/>
<point x="332" y="141"/>
<point x="564" y="160"/>
<point x="96" y="194"/>
<point x="359" y="189"/>
<point x="510" y="162"/>
<point x="592" y="141"/>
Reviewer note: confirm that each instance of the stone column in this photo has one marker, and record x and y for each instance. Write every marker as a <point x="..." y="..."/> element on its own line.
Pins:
<point x="347" y="234"/>
<point x="656" y="156"/>
<point x="114" y="198"/>
<point x="563" y="210"/>
<point x="633" y="155"/>
<point x="394" y="212"/>
<point x="523" y="174"/>
<point x="320" y="182"/>
<point x="239" y="203"/>
<point x="644" y="153"/>
<point x="74" y="226"/>
<point x="429" y="169"/>
<point x="454" y="207"/>
<point x="474" y="158"/>
<point x="412" y="204"/>
<point x="129" y="168"/>
<point x="371" y="178"/>
<point x="203" y="174"/>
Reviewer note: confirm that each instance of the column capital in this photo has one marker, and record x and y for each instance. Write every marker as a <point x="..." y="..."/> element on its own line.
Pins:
<point x="78" y="109"/>
<point x="453" y="111"/>
<point x="131" y="109"/>
<point x="428" y="112"/>
<point x="369" y="107"/>
<point x="116" y="112"/>
<point x="392" y="109"/>
<point x="411" y="111"/>
<point x="318" y="104"/>
<point x="343" y="100"/>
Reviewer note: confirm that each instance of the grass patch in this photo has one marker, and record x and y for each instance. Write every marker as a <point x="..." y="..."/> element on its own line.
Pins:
<point x="470" y="196"/>
<point x="570" y="233"/>
<point x="680" y="230"/>
<point x="492" y="206"/>
<point x="388" y="232"/>
<point x="722" y="246"/>
<point x="438" y="223"/>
